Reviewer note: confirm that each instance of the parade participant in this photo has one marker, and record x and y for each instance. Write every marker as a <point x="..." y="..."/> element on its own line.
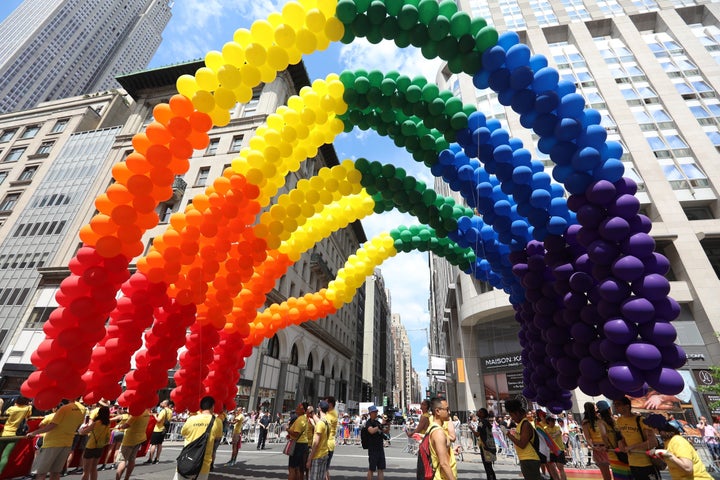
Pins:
<point x="683" y="461"/>
<point x="593" y="429"/>
<point x="521" y="438"/>
<point x="237" y="435"/>
<point x="376" y="452"/>
<point x="482" y="429"/>
<point x="98" y="433"/>
<point x="18" y="412"/>
<point x="195" y="427"/>
<point x="298" y="431"/>
<point x="423" y="421"/>
<point x="135" y="427"/>
<point x="317" y="460"/>
<point x="332" y="419"/>
<point x="556" y="462"/>
<point x="638" y="438"/>
<point x="162" y="422"/>
<point x="441" y="452"/>
<point x="613" y="438"/>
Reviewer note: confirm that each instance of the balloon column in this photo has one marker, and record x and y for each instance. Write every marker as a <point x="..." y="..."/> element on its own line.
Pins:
<point x="588" y="289"/>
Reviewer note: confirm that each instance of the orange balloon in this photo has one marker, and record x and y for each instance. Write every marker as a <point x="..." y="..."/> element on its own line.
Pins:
<point x="102" y="225"/>
<point x="161" y="176"/>
<point x="140" y="142"/>
<point x="132" y="250"/>
<point x="155" y="259"/>
<point x="144" y="203"/>
<point x="118" y="194"/>
<point x="177" y="221"/>
<point x="157" y="133"/>
<point x="121" y="173"/>
<point x="158" y="155"/>
<point x="129" y="234"/>
<point x="88" y="235"/>
<point x="181" y="105"/>
<point x="201" y="122"/>
<point x="162" y="113"/>
<point x="137" y="163"/>
<point x="179" y="165"/>
<point x="199" y="140"/>
<point x="103" y="204"/>
<point x="161" y="192"/>
<point x="147" y="220"/>
<point x="108" y="246"/>
<point x="194" y="217"/>
<point x="139" y="185"/>
<point x="180" y="147"/>
<point x="179" y="127"/>
<point x="124" y="215"/>
<point x="155" y="275"/>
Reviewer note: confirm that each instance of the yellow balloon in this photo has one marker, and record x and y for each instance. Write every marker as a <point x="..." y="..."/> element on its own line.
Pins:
<point x="267" y="73"/>
<point x="243" y="93"/>
<point x="277" y="58"/>
<point x="294" y="55"/>
<point x="327" y="7"/>
<point x="323" y="42"/>
<point x="293" y="14"/>
<point x="334" y="29"/>
<point x="206" y="79"/>
<point x="243" y="37"/>
<point x="220" y="116"/>
<point x="203" y="101"/>
<point x="186" y="85"/>
<point x="233" y="54"/>
<point x="285" y="36"/>
<point x="262" y="32"/>
<point x="214" y="60"/>
<point x="250" y="75"/>
<point x="255" y="54"/>
<point x="306" y="41"/>
<point x="225" y="98"/>
<point x="275" y="19"/>
<point x="315" y="20"/>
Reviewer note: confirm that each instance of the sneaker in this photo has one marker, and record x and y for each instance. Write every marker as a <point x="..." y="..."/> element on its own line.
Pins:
<point x="155" y="461"/>
<point x="147" y="462"/>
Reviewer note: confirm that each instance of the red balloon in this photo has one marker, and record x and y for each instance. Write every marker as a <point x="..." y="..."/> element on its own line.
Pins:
<point x="47" y="398"/>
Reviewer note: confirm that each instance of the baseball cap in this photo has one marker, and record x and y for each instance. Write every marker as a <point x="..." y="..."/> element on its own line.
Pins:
<point x="324" y="406"/>
<point x="656" y="421"/>
<point x="372" y="408"/>
<point x="602" y="405"/>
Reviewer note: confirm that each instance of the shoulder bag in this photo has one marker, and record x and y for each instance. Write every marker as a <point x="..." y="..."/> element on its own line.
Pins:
<point x="657" y="462"/>
<point x="192" y="456"/>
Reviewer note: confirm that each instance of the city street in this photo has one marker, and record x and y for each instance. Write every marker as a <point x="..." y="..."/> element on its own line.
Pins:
<point x="349" y="462"/>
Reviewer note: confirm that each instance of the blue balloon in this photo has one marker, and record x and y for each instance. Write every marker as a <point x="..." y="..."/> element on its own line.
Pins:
<point x="561" y="173"/>
<point x="476" y="120"/>
<point x="594" y="136"/>
<point x="540" y="198"/>
<point x="612" y="170"/>
<point x="480" y="79"/>
<point x="519" y="228"/>
<point x="562" y="153"/>
<point x="508" y="39"/>
<point x="464" y="137"/>
<point x="503" y="154"/>
<point x="493" y="58"/>
<point x="464" y="223"/>
<point x="517" y="56"/>
<point x="577" y="182"/>
<point x="461" y="159"/>
<point x="538" y="61"/>
<point x="522" y="175"/>
<point x="557" y="191"/>
<point x="500" y="137"/>
<point x="505" y="97"/>
<point x="527" y="119"/>
<point x="558" y="207"/>
<point x="571" y="105"/>
<point x="503" y="207"/>
<point x="612" y="149"/>
<point x="521" y="77"/>
<point x="545" y="144"/>
<point x="556" y="225"/>
<point x="436" y="169"/>
<point x="586" y="159"/>
<point x="591" y="117"/>
<point x="466" y="173"/>
<point x="499" y="80"/>
<point x="522" y="156"/>
<point x="523" y="101"/>
<point x="567" y="129"/>
<point x="545" y="79"/>
<point x="545" y="124"/>
<point x="565" y="87"/>
<point x="494" y="124"/>
<point x="515" y="143"/>
<point x="547" y="102"/>
<point x="537" y="166"/>
<point x="487" y="233"/>
<point x="481" y="136"/>
<point x="541" y="180"/>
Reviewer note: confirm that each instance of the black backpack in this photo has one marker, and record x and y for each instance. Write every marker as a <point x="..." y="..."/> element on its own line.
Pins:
<point x="192" y="456"/>
<point x="22" y="429"/>
<point x="425" y="469"/>
<point x="364" y="437"/>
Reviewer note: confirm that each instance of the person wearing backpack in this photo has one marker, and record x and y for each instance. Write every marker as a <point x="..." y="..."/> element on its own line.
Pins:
<point x="638" y="437"/>
<point x="195" y="427"/>
<point x="317" y="461"/>
<point x="594" y="429"/>
<point x="376" y="452"/>
<point x="444" y="465"/>
<point x="483" y="433"/>
<point x="162" y="424"/>
<point x="523" y="437"/>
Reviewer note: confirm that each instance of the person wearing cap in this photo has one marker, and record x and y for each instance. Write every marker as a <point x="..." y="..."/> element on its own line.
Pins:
<point x="376" y="453"/>
<point x="298" y="431"/>
<point x="613" y="439"/>
<point x="593" y="429"/>
<point x="638" y="438"/>
<point x="682" y="459"/>
<point x="556" y="462"/>
<point x="317" y="460"/>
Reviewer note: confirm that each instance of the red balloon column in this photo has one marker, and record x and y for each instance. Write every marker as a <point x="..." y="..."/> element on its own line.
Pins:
<point x="194" y="366"/>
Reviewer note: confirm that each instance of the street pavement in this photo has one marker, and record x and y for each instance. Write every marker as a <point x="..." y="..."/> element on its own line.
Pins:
<point x="349" y="462"/>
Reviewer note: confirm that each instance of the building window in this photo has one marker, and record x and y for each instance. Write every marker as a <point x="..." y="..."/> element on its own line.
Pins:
<point x="7" y="134"/>
<point x="274" y="347"/>
<point x="9" y="202"/>
<point x="30" y="131"/>
<point x="15" y="154"/>
<point x="38" y="317"/>
<point x="27" y="174"/>
<point x="212" y="147"/>
<point x="60" y="125"/>
<point x="252" y="105"/>
<point x="165" y="210"/>
<point x="236" y="143"/>
<point x="45" y="148"/>
<point x="202" y="177"/>
<point x="3" y="176"/>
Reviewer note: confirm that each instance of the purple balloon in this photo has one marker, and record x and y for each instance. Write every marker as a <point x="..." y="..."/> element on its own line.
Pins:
<point x="625" y="206"/>
<point x="640" y="245"/>
<point x="614" y="229"/>
<point x="602" y="271"/>
<point x="661" y="334"/>
<point x="628" y="268"/>
<point x="558" y="335"/>
<point x="638" y="310"/>
<point x="603" y="252"/>
<point x="590" y="315"/>
<point x="545" y="306"/>
<point x="666" y="381"/>
<point x="625" y="378"/>
<point x="543" y="321"/>
<point x="590" y="216"/>
<point x="643" y="355"/>
<point x="640" y="224"/>
<point x="608" y="309"/>
<point x="673" y="356"/>
<point x="612" y="352"/>
<point x="601" y="193"/>
<point x="614" y="290"/>
<point x="581" y="282"/>
<point x="571" y="232"/>
<point x="555" y="351"/>
<point x="581" y="350"/>
<point x="619" y="331"/>
<point x="626" y="186"/>
<point x="587" y="235"/>
<point x="609" y="390"/>
<point x="532" y="280"/>
<point x="576" y="201"/>
<point x="554" y="243"/>
<point x="567" y="382"/>
<point x="653" y="287"/>
<point x="529" y="392"/>
<point x="575" y="301"/>
<point x="589" y="386"/>
<point x="582" y="332"/>
<point x="592" y="369"/>
<point x="657" y="263"/>
<point x="568" y="366"/>
<point x="595" y="351"/>
<point x="667" y="309"/>
<point x="519" y="269"/>
<point x="532" y="295"/>
<point x="563" y="271"/>
<point x="584" y="264"/>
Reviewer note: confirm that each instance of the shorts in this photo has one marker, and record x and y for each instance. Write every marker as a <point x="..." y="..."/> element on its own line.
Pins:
<point x="157" y="438"/>
<point x="530" y="469"/>
<point x="129" y="452"/>
<point x="559" y="458"/>
<point x="330" y="455"/>
<point x="299" y="456"/>
<point x="117" y="436"/>
<point x="93" y="452"/>
<point x="376" y="459"/>
<point x="647" y="472"/>
<point x="318" y="469"/>
<point x="51" y="459"/>
<point x="601" y="457"/>
<point x="79" y="441"/>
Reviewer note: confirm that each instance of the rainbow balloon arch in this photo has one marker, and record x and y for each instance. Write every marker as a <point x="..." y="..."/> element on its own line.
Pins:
<point x="589" y="292"/>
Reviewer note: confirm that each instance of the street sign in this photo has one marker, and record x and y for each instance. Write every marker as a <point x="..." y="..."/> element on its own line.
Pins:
<point x="435" y="371"/>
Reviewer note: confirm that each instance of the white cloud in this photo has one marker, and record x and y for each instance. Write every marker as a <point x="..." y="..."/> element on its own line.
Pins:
<point x="425" y="351"/>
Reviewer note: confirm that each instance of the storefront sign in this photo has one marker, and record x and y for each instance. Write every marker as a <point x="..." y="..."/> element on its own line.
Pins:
<point x="502" y="362"/>
<point x="515" y="381"/>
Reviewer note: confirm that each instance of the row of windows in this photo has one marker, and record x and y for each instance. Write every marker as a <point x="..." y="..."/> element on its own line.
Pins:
<point x="16" y="153"/>
<point x="235" y="145"/>
<point x="26" y="175"/>
<point x="32" y="130"/>
<point x="23" y="260"/>
<point x="51" y="200"/>
<point x="13" y="296"/>
<point x="39" y="228"/>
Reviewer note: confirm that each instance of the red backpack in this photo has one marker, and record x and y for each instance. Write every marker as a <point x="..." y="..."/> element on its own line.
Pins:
<point x="425" y="468"/>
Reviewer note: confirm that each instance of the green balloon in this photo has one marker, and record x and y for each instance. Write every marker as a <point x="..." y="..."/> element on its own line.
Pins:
<point x="381" y="129"/>
<point x="388" y="116"/>
<point x="362" y="85"/>
<point x="459" y="121"/>
<point x="399" y="141"/>
<point x="389" y="28"/>
<point x="430" y="158"/>
<point x="427" y="10"/>
<point x="471" y="62"/>
<point x="362" y="5"/>
<point x="439" y="28"/>
<point x="429" y="197"/>
<point x="445" y="94"/>
<point x="430" y="91"/>
<point x="362" y="164"/>
<point x="375" y="77"/>
<point x="402" y="40"/>
<point x="374" y="35"/>
<point x="407" y="128"/>
<point x="346" y="11"/>
<point x="413" y="94"/>
<point x="397" y="100"/>
<point x="447" y="8"/>
<point x="477" y="24"/>
<point x="447" y="48"/>
<point x="429" y="50"/>
<point x="425" y="235"/>
<point x="408" y="182"/>
<point x="466" y="43"/>
<point x="427" y="142"/>
<point x="407" y="109"/>
<point x="361" y="25"/>
<point x="412" y="143"/>
<point x="347" y="78"/>
<point x="487" y="37"/>
<point x="408" y="17"/>
<point x="403" y="82"/>
<point x="376" y="12"/>
<point x="348" y="37"/>
<point x="393" y="7"/>
<point x="387" y="87"/>
<point x="436" y="106"/>
<point x="459" y="24"/>
<point x="450" y="135"/>
<point x="453" y="106"/>
<point x="419" y="35"/>
<point x="420" y="110"/>
<point x="374" y="96"/>
<point x="455" y="63"/>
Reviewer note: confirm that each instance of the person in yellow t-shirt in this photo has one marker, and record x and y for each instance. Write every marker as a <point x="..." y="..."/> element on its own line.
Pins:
<point x="135" y="435"/>
<point x="195" y="426"/>
<point x="683" y="461"/>
<point x="441" y="453"/>
<point x="59" y="434"/>
<point x="424" y="420"/>
<point x="332" y="419"/>
<point x="297" y="431"/>
<point x="638" y="438"/>
<point x="521" y="438"/>
<point x="237" y="435"/>
<point x="98" y="433"/>
<point x="164" y="415"/>
<point x="18" y="412"/>
<point x="555" y="433"/>
<point x="318" y="457"/>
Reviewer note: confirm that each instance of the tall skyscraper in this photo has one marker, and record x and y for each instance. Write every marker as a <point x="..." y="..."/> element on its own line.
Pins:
<point x="652" y="70"/>
<point x="52" y="49"/>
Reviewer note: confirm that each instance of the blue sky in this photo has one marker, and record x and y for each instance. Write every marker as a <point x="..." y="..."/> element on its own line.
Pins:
<point x="198" y="26"/>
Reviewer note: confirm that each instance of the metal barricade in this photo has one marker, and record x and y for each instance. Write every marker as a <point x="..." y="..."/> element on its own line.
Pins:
<point x="578" y="452"/>
<point x="173" y="433"/>
<point x="706" y="456"/>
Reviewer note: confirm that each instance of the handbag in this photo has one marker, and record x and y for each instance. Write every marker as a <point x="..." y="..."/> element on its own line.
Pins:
<point x="289" y="447"/>
<point x="192" y="456"/>
<point x="657" y="462"/>
<point x="622" y="456"/>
